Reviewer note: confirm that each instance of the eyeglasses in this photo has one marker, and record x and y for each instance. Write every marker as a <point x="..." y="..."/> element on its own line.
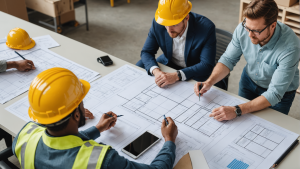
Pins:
<point x="256" y="32"/>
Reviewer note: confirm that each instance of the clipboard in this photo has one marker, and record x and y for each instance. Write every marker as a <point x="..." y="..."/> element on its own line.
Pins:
<point x="192" y="160"/>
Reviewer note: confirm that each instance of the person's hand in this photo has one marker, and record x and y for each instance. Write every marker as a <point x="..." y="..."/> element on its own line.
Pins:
<point x="21" y="65"/>
<point x="106" y="122"/>
<point x="223" y="113"/>
<point x="88" y="114"/>
<point x="205" y="87"/>
<point x="163" y="79"/>
<point x="170" y="131"/>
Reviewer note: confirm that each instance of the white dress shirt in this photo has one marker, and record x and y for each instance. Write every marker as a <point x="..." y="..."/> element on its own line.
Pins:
<point x="178" y="52"/>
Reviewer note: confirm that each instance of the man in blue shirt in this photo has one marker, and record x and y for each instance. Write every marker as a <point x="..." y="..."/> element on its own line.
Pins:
<point x="53" y="141"/>
<point x="272" y="51"/>
<point x="188" y="42"/>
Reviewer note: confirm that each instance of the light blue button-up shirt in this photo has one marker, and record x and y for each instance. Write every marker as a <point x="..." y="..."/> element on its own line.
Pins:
<point x="273" y="66"/>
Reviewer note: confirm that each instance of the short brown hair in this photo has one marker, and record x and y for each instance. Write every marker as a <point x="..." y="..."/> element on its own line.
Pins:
<point x="262" y="8"/>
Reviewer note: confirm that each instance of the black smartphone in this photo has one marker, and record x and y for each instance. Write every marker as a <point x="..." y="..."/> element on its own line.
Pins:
<point x="140" y="145"/>
<point x="105" y="60"/>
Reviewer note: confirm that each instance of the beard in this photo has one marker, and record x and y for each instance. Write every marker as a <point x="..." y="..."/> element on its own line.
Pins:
<point x="174" y="34"/>
<point x="82" y="118"/>
<point x="256" y="41"/>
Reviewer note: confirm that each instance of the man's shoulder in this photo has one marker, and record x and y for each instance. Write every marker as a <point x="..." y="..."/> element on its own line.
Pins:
<point x="200" y="20"/>
<point x="288" y="39"/>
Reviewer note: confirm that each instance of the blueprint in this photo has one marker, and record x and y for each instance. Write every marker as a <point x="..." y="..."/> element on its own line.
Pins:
<point x="7" y="53"/>
<point x="244" y="142"/>
<point x="13" y="82"/>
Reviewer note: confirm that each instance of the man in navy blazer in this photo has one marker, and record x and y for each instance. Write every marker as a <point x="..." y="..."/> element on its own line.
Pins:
<point x="188" y="43"/>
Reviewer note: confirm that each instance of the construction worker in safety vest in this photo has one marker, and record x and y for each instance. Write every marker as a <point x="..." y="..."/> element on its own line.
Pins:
<point x="19" y="39"/>
<point x="188" y="43"/>
<point x="53" y="140"/>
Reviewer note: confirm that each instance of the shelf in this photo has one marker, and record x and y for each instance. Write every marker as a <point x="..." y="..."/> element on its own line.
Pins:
<point x="281" y="7"/>
<point x="293" y="17"/>
<point x="279" y="19"/>
<point x="294" y="9"/>
<point x="293" y="23"/>
<point x="280" y="13"/>
<point x="297" y="31"/>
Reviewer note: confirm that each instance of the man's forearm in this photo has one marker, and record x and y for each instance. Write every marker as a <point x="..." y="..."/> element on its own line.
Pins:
<point x="256" y="104"/>
<point x="11" y="64"/>
<point x="220" y="71"/>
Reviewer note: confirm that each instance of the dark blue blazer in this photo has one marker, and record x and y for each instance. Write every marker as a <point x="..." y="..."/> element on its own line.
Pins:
<point x="200" y="47"/>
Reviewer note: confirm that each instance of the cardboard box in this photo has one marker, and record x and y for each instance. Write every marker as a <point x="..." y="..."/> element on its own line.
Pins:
<point x="52" y="8"/>
<point x="16" y="8"/>
<point x="66" y="17"/>
<point x="286" y="3"/>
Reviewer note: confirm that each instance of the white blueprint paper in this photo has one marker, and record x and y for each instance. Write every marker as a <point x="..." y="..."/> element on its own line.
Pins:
<point x="13" y="82"/>
<point x="45" y="41"/>
<point x="245" y="142"/>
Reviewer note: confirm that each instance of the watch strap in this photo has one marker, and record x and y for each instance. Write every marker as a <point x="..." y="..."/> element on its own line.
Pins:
<point x="179" y="75"/>
<point x="238" y="111"/>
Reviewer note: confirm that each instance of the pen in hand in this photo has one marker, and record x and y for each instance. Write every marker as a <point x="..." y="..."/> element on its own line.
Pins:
<point x="200" y="87"/>
<point x="20" y="55"/>
<point x="166" y="120"/>
<point x="113" y="116"/>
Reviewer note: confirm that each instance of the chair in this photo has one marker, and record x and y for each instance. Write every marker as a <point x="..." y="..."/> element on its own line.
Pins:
<point x="223" y="39"/>
<point x="6" y="153"/>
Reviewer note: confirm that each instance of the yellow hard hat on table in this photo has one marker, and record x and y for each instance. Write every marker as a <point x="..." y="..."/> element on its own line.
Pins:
<point x="172" y="12"/>
<point x="18" y="38"/>
<point x="54" y="94"/>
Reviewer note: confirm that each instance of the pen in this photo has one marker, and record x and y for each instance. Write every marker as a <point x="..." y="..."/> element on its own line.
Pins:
<point x="200" y="87"/>
<point x="295" y="143"/>
<point x="112" y="116"/>
<point x="166" y="120"/>
<point x="20" y="55"/>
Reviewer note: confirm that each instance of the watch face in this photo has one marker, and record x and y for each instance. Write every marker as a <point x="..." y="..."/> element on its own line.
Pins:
<point x="238" y="111"/>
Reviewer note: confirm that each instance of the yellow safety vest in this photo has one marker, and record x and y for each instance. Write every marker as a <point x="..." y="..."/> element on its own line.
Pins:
<point x="90" y="155"/>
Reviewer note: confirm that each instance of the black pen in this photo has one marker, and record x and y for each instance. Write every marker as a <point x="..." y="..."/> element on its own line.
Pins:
<point x="166" y="120"/>
<point x="295" y="143"/>
<point x="200" y="87"/>
<point x="20" y="55"/>
<point x="113" y="116"/>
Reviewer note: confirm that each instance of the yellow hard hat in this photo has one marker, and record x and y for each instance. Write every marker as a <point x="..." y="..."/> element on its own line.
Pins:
<point x="19" y="39"/>
<point x="54" y="94"/>
<point x="172" y="12"/>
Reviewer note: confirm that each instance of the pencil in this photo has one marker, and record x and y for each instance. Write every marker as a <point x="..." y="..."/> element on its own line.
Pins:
<point x="20" y="55"/>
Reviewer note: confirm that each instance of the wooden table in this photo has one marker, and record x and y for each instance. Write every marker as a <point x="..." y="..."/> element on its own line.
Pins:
<point x="86" y="56"/>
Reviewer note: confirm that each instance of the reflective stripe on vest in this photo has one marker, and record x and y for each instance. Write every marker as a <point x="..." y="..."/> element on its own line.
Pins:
<point x="90" y="155"/>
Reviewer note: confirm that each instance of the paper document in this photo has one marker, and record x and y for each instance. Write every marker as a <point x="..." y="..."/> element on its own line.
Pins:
<point x="247" y="141"/>
<point x="7" y="53"/>
<point x="13" y="82"/>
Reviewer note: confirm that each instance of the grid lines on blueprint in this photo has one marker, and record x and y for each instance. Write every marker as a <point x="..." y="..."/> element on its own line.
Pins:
<point x="14" y="83"/>
<point x="260" y="140"/>
<point x="179" y="103"/>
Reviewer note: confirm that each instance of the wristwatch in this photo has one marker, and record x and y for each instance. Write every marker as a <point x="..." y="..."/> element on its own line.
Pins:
<point x="179" y="75"/>
<point x="238" y="111"/>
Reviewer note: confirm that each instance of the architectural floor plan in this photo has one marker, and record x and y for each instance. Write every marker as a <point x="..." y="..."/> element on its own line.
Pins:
<point x="246" y="142"/>
<point x="13" y="82"/>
